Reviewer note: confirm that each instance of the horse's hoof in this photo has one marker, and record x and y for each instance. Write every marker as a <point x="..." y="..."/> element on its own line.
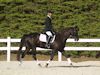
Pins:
<point x="71" y="64"/>
<point x="39" y="65"/>
<point x="20" y="63"/>
<point x="46" y="65"/>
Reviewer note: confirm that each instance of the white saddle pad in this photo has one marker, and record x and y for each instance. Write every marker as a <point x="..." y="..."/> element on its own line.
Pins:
<point x="43" y="38"/>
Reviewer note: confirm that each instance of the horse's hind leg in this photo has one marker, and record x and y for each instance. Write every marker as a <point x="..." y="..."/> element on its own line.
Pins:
<point x="34" y="55"/>
<point x="23" y="54"/>
<point x="51" y="58"/>
<point x="19" y="55"/>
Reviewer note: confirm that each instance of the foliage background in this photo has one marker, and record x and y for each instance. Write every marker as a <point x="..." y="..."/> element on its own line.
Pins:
<point x="19" y="17"/>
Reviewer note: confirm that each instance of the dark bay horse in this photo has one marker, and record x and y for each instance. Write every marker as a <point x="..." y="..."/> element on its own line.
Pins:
<point x="31" y="41"/>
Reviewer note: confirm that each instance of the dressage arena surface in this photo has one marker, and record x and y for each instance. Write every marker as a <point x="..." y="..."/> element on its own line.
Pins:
<point x="55" y="68"/>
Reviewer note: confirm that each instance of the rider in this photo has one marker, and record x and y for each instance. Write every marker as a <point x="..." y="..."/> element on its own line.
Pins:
<point x="48" y="28"/>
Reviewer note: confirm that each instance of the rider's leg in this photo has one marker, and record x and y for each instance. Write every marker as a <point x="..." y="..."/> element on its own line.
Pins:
<point x="49" y="35"/>
<point x="48" y="41"/>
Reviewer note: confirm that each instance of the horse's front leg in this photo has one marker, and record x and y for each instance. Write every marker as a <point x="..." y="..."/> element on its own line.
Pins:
<point x="68" y="58"/>
<point x="51" y="58"/>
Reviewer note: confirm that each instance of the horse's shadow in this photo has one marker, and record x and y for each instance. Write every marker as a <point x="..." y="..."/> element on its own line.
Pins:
<point x="80" y="66"/>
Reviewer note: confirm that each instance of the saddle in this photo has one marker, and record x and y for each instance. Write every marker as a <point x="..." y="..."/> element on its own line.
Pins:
<point x="42" y="38"/>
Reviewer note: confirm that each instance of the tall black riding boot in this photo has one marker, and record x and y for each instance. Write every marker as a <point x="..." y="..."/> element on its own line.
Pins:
<point x="48" y="42"/>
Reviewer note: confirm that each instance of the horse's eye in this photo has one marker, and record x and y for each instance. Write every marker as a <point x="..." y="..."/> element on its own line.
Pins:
<point x="74" y="31"/>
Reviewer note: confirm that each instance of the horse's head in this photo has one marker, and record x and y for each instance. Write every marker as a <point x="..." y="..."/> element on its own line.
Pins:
<point x="74" y="33"/>
<point x="70" y="32"/>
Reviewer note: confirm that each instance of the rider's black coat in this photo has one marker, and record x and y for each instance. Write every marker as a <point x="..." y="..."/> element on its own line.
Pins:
<point x="48" y="24"/>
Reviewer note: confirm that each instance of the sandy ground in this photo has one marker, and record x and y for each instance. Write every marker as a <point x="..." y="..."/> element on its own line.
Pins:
<point x="55" y="68"/>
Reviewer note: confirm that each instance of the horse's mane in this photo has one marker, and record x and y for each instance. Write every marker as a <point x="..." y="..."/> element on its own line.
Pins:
<point x="65" y="29"/>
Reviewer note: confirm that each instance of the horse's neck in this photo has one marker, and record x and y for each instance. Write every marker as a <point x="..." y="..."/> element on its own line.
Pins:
<point x="63" y="37"/>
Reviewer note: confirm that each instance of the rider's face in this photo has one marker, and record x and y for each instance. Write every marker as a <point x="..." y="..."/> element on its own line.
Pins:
<point x="50" y="14"/>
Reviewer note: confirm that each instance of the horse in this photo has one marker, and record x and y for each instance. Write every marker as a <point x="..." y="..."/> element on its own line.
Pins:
<point x="31" y="41"/>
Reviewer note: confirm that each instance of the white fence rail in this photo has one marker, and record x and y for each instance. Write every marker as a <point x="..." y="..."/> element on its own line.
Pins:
<point x="9" y="48"/>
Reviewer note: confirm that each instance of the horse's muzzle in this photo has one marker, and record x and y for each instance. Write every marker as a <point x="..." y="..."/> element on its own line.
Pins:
<point x="76" y="39"/>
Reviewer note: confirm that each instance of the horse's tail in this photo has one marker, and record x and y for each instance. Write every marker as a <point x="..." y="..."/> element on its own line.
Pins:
<point x="20" y="47"/>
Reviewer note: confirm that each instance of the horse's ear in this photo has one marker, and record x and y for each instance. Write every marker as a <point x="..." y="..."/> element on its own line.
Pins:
<point x="76" y="27"/>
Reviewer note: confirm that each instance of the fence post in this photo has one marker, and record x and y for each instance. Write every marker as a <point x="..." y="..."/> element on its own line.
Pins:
<point x="8" y="48"/>
<point x="59" y="56"/>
